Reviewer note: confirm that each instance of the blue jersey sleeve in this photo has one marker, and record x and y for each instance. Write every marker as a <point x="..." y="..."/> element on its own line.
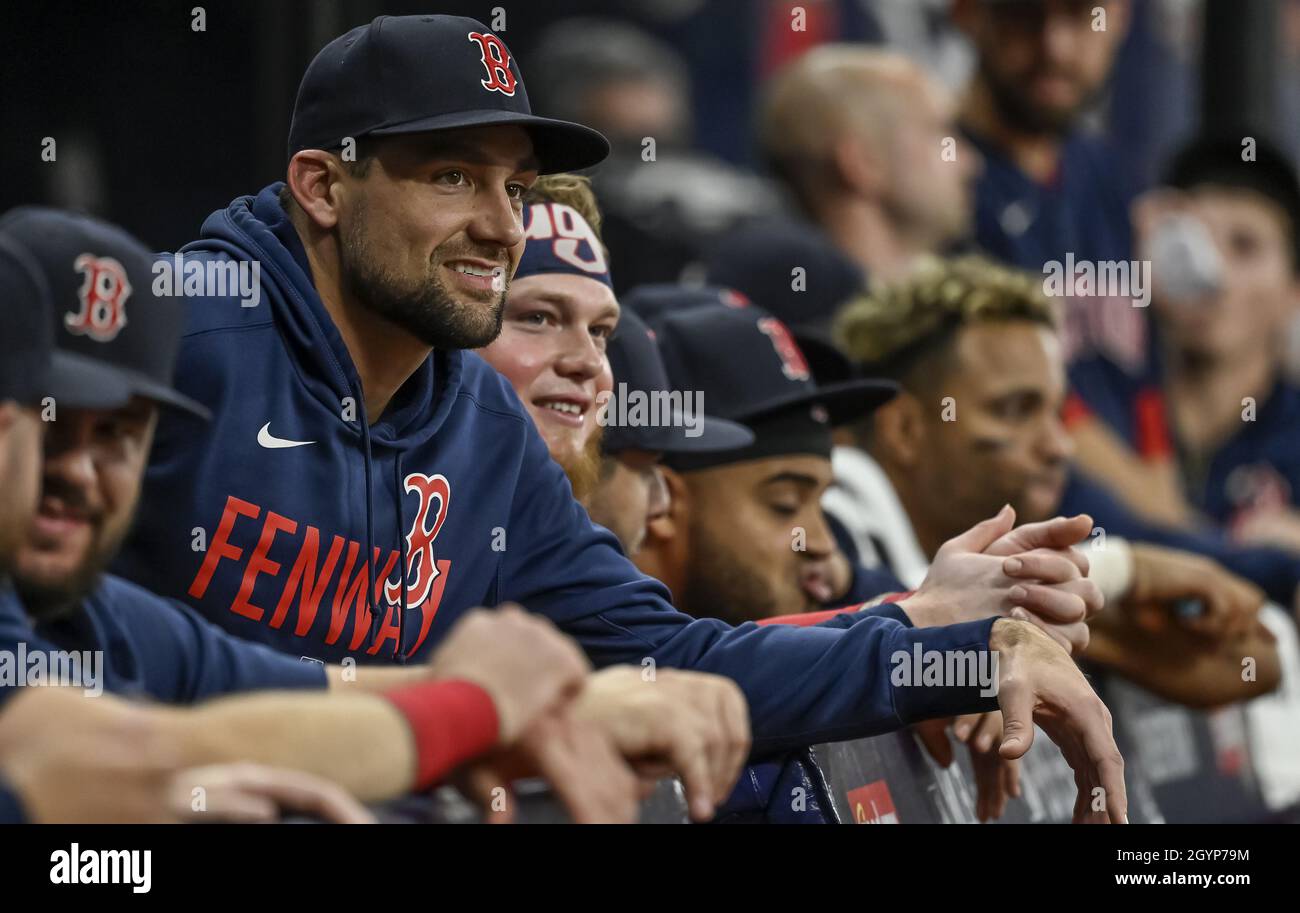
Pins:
<point x="803" y="684"/>
<point x="183" y="658"/>
<point x="11" y="809"/>
<point x="1274" y="571"/>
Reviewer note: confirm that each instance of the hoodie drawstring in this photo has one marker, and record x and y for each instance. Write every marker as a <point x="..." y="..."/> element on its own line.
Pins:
<point x="401" y="533"/>
<point x="375" y="619"/>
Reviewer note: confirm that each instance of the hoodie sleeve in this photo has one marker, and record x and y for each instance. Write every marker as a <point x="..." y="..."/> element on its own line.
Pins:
<point x="11" y="809"/>
<point x="803" y="684"/>
<point x="1273" y="570"/>
<point x="186" y="659"/>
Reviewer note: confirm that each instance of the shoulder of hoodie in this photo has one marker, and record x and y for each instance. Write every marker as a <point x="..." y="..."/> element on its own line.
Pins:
<point x="132" y="606"/>
<point x="211" y="313"/>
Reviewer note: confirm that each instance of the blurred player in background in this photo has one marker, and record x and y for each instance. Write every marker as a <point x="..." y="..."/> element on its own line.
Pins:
<point x="978" y="424"/>
<point x="1222" y="235"/>
<point x="866" y="143"/>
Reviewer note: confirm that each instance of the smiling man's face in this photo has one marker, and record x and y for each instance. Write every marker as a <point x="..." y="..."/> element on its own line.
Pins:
<point x="552" y="350"/>
<point x="93" y="467"/>
<point x="431" y="231"/>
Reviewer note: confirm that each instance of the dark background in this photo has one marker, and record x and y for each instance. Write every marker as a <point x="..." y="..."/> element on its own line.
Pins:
<point x="158" y="125"/>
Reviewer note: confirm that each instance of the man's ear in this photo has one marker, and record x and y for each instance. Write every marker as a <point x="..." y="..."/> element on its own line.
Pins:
<point x="665" y="551"/>
<point x="856" y="166"/>
<point x="898" y="430"/>
<point x="314" y="179"/>
<point x="677" y="518"/>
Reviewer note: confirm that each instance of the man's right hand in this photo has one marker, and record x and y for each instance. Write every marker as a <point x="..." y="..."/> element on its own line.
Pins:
<point x="996" y="569"/>
<point x="1039" y="684"/>
<point x="520" y="659"/>
<point x="1162" y="575"/>
<point x="578" y="761"/>
<point x="692" y="724"/>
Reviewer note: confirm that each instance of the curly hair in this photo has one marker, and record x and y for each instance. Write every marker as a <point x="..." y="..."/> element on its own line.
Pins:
<point x="571" y="190"/>
<point x="895" y="331"/>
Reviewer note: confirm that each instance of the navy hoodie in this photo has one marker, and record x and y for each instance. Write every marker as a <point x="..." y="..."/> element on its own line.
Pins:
<point x="151" y="647"/>
<point x="449" y="501"/>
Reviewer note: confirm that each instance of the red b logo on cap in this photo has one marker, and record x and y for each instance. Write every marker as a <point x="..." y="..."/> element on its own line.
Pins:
<point x="793" y="364"/>
<point x="497" y="60"/>
<point x="103" y="298"/>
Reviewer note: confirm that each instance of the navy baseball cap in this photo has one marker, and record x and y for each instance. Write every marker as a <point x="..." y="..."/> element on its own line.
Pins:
<point x="414" y="74"/>
<point x="639" y="370"/>
<point x="30" y="367"/>
<point x="654" y="299"/>
<point x="749" y="367"/>
<point x="759" y="261"/>
<point x="102" y="307"/>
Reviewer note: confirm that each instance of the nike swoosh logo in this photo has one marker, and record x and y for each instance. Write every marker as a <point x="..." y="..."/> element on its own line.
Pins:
<point x="270" y="442"/>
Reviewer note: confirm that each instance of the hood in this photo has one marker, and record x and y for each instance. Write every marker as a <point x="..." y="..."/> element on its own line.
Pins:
<point x="258" y="228"/>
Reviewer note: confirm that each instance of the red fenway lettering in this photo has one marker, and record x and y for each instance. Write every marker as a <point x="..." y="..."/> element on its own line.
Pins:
<point x="102" y="296"/>
<point x="793" y="364"/>
<point x="497" y="60"/>
<point x="310" y="576"/>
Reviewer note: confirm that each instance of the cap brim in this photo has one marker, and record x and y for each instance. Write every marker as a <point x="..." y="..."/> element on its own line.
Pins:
<point x="711" y="436"/>
<point x="88" y="383"/>
<point x="85" y="383"/>
<point x="558" y="144"/>
<point x="844" y="403"/>
<point x="828" y="364"/>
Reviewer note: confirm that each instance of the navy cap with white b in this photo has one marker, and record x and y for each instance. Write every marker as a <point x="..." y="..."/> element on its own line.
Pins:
<point x="639" y="371"/>
<point x="101" y="304"/>
<point x="415" y="74"/>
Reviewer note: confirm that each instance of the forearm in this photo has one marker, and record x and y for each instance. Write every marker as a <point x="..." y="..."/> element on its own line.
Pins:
<point x="360" y="741"/>
<point x="374" y="679"/>
<point x="1182" y="668"/>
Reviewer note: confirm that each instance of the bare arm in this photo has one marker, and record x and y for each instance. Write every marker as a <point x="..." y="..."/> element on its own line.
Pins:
<point x="1185" y="667"/>
<point x="359" y="741"/>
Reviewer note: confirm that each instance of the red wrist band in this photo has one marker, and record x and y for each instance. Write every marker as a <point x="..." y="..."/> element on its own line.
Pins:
<point x="451" y="722"/>
<point x="808" y="619"/>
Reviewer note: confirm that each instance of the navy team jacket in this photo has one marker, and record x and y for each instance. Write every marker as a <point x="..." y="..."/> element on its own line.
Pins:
<point x="149" y="647"/>
<point x="154" y="648"/>
<point x="279" y="518"/>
